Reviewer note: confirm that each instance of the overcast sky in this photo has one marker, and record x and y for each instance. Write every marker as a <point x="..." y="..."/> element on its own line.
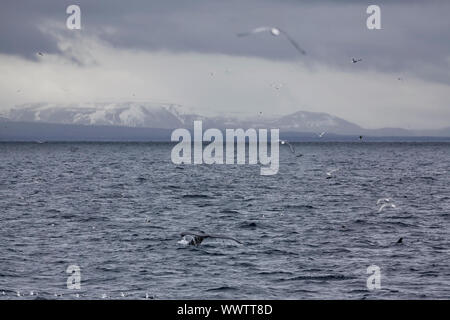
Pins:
<point x="187" y="52"/>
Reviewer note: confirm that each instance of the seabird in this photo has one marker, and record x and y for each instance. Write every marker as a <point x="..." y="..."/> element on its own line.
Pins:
<point x="275" y="32"/>
<point x="329" y="173"/>
<point x="291" y="147"/>
<point x="383" y="200"/>
<point x="321" y="134"/>
<point x="390" y="205"/>
<point x="356" y="60"/>
<point x="276" y="86"/>
<point x="197" y="238"/>
<point x="40" y="54"/>
<point x="400" y="240"/>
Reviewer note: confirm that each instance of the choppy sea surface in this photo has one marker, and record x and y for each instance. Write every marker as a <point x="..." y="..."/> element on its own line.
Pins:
<point x="116" y="210"/>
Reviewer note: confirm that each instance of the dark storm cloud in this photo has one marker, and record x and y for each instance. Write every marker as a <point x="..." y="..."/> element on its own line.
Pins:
<point x="415" y="37"/>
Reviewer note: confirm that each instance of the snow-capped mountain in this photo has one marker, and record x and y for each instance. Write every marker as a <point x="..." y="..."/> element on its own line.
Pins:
<point x="133" y="121"/>
<point x="315" y="121"/>
<point x="116" y="114"/>
<point x="170" y="116"/>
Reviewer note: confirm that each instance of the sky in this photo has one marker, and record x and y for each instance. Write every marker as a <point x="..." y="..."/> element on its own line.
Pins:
<point x="187" y="52"/>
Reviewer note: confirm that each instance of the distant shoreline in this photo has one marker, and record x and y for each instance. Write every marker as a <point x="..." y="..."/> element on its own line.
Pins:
<point x="12" y="131"/>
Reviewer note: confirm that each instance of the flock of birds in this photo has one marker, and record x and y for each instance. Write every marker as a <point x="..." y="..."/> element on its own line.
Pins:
<point x="275" y="31"/>
<point x="60" y="295"/>
<point x="196" y="238"/>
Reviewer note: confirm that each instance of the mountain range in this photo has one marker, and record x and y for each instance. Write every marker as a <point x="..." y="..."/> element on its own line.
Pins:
<point x="166" y="117"/>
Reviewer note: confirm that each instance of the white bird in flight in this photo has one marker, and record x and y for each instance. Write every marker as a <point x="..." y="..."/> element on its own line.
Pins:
<point x="390" y="205"/>
<point x="321" y="134"/>
<point x="275" y="32"/>
<point x="276" y="85"/>
<point x="383" y="200"/>
<point x="329" y="173"/>
<point x="291" y="147"/>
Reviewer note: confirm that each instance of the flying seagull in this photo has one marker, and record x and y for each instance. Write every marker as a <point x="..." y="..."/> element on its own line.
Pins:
<point x="277" y="86"/>
<point x="383" y="200"/>
<point x="275" y="32"/>
<point x="291" y="147"/>
<point x="197" y="238"/>
<point x="330" y="173"/>
<point x="390" y="205"/>
<point x="321" y="134"/>
<point x="356" y="60"/>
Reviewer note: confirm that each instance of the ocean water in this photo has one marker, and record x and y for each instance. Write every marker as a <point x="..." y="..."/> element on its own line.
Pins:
<point x="116" y="210"/>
